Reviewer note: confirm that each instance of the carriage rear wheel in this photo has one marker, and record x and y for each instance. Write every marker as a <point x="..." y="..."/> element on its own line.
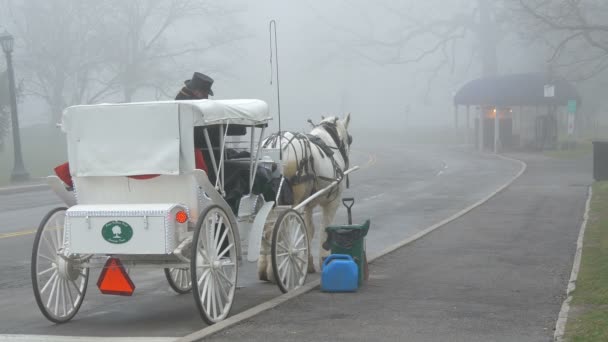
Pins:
<point x="179" y="279"/>
<point x="214" y="264"/>
<point x="59" y="283"/>
<point x="289" y="251"/>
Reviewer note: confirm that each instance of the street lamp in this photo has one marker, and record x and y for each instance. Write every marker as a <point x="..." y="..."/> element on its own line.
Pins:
<point x="19" y="173"/>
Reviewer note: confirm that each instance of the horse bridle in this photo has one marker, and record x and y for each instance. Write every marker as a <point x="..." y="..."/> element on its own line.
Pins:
<point x="332" y="129"/>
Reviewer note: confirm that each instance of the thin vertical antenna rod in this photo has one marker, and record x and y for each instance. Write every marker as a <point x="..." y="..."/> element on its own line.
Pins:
<point x="273" y="25"/>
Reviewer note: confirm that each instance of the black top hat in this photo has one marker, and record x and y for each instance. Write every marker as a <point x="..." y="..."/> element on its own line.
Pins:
<point x="200" y="82"/>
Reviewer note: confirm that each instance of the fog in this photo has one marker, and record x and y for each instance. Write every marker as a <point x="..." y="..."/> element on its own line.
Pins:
<point x="395" y="65"/>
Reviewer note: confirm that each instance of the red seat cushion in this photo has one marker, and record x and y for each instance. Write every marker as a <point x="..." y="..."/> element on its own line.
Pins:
<point x="63" y="172"/>
<point x="199" y="161"/>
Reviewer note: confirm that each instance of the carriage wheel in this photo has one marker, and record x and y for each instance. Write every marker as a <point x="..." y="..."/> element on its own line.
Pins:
<point x="179" y="279"/>
<point x="289" y="251"/>
<point x="59" y="284"/>
<point x="214" y="264"/>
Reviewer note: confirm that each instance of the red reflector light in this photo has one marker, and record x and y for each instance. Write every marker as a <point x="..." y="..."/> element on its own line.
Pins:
<point x="114" y="279"/>
<point x="181" y="216"/>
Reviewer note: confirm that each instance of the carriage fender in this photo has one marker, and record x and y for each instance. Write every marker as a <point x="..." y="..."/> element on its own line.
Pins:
<point x="257" y="230"/>
<point x="216" y="198"/>
<point x="59" y="188"/>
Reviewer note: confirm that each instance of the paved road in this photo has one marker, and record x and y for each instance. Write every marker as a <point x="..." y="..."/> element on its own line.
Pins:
<point x="402" y="188"/>
<point x="498" y="273"/>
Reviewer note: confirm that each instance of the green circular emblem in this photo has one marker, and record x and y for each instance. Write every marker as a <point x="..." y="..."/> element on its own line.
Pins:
<point x="117" y="232"/>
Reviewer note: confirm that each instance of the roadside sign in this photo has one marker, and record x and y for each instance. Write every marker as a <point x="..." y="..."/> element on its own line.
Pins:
<point x="549" y="90"/>
<point x="572" y="106"/>
<point x="570" y="123"/>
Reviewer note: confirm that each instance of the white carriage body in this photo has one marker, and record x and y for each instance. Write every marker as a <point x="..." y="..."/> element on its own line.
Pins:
<point x="109" y="142"/>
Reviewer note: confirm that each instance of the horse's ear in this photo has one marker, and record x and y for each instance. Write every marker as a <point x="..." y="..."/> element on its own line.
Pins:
<point x="322" y="117"/>
<point x="347" y="120"/>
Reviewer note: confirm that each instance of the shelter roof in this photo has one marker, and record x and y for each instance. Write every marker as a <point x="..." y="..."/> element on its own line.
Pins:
<point x="516" y="90"/>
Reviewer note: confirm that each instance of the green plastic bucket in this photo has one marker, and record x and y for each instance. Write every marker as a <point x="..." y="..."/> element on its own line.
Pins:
<point x="349" y="239"/>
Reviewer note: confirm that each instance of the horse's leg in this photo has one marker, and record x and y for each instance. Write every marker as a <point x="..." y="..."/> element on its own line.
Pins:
<point x="264" y="259"/>
<point x="310" y="231"/>
<point x="329" y="212"/>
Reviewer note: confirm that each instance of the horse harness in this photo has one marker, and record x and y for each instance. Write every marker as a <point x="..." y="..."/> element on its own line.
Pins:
<point x="305" y="171"/>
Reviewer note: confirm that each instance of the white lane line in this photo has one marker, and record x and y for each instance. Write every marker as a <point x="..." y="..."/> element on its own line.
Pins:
<point x="208" y="331"/>
<point x="562" y="318"/>
<point x="57" y="338"/>
<point x="444" y="166"/>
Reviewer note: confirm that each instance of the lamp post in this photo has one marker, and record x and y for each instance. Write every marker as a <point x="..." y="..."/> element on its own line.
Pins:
<point x="19" y="173"/>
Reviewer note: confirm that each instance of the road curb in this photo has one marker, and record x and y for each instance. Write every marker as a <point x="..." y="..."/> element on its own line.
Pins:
<point x="238" y="318"/>
<point x="23" y="188"/>
<point x="562" y="318"/>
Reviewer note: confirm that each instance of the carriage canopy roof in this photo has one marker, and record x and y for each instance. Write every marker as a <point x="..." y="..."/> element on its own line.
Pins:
<point x="147" y="137"/>
<point x="206" y="112"/>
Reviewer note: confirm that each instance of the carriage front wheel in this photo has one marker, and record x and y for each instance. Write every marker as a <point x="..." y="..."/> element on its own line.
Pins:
<point x="59" y="283"/>
<point x="289" y="251"/>
<point x="214" y="264"/>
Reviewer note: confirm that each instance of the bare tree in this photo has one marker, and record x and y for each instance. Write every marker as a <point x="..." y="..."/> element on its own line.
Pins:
<point x="57" y="54"/>
<point x="442" y="35"/>
<point x="575" y="30"/>
<point x="143" y="55"/>
<point x="86" y="51"/>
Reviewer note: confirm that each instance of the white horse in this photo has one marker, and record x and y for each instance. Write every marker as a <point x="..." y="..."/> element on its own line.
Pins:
<point x="308" y="169"/>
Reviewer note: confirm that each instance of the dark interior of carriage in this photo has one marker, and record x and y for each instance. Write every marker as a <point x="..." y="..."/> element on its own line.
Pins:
<point x="237" y="165"/>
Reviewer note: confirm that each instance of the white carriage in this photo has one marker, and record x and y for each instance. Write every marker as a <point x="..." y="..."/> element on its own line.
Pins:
<point x="138" y="198"/>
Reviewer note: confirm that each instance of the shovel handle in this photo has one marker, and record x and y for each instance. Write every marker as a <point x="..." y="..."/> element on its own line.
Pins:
<point x="348" y="202"/>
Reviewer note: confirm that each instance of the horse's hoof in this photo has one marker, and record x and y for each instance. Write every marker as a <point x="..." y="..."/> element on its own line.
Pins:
<point x="262" y="276"/>
<point x="311" y="269"/>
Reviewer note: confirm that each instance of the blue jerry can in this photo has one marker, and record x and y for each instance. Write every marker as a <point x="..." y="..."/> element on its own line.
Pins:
<point x="340" y="274"/>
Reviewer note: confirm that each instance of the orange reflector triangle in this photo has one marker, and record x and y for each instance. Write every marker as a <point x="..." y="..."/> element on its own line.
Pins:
<point x="114" y="279"/>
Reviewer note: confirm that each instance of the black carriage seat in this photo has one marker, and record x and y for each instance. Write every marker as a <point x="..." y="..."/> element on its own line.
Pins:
<point x="237" y="165"/>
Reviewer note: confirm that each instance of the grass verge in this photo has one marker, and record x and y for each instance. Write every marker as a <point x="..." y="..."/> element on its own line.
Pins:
<point x="581" y="149"/>
<point x="588" y="320"/>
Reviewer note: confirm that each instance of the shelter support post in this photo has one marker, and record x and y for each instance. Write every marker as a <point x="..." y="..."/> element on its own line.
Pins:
<point x="496" y="131"/>
<point x="480" y="129"/>
<point x="468" y="133"/>
<point x="456" y="116"/>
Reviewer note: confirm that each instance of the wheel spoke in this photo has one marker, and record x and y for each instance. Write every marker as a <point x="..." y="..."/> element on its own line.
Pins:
<point x="48" y="244"/>
<point x="297" y="268"/>
<point x="282" y="254"/>
<point x="299" y="258"/>
<point x="299" y="239"/>
<point x="47" y="270"/>
<point x="288" y="272"/>
<point x="46" y="257"/>
<point x="76" y="287"/>
<point x="223" y="275"/>
<point x="225" y="251"/>
<point x="57" y="296"/>
<point x="63" y="296"/>
<point x="283" y="263"/>
<point x="221" y="241"/>
<point x="48" y="282"/>
<point x="202" y="277"/>
<point x="48" y="304"/>
<point x="282" y="246"/>
<point x="213" y="294"/>
<point x="221" y="293"/>
<point x="216" y="231"/>
<point x="69" y="291"/>
<point x="203" y="253"/>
